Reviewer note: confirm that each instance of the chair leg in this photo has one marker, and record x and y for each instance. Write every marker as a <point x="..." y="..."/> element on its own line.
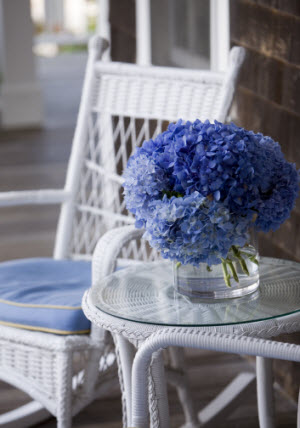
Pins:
<point x="183" y="389"/>
<point x="28" y="415"/>
<point x="64" y="387"/>
<point x="265" y="396"/>
<point x="158" y="397"/>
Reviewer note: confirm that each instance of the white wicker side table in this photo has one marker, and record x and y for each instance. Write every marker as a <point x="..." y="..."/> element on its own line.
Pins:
<point x="140" y="307"/>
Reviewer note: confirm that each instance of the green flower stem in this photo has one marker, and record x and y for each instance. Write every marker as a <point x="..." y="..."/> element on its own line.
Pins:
<point x="171" y="193"/>
<point x="232" y="269"/>
<point x="236" y="251"/>
<point x="244" y="253"/>
<point x="239" y="256"/>
<point x="251" y="257"/>
<point x="244" y="266"/>
<point x="229" y="268"/>
<point x="225" y="273"/>
<point x="178" y="264"/>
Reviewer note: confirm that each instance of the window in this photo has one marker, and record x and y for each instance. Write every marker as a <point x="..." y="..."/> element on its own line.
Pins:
<point x="190" y="33"/>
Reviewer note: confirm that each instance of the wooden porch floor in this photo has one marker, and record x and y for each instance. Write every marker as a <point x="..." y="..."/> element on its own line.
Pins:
<point x="38" y="159"/>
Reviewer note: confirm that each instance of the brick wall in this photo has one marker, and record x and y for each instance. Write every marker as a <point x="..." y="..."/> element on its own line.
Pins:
<point x="268" y="100"/>
<point x="268" y="97"/>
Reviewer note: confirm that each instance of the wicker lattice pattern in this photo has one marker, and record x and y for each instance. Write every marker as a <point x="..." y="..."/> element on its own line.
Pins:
<point x="28" y="366"/>
<point x="100" y="205"/>
<point x="128" y="106"/>
<point x="157" y="92"/>
<point x="37" y="371"/>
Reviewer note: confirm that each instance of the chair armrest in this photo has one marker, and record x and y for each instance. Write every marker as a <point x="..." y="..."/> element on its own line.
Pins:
<point x="33" y="197"/>
<point x="108" y="248"/>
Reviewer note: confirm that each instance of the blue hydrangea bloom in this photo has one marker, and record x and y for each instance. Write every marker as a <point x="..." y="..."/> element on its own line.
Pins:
<point x="198" y="187"/>
<point x="194" y="229"/>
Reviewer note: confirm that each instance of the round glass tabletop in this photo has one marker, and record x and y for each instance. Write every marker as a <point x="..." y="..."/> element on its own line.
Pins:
<point x="145" y="293"/>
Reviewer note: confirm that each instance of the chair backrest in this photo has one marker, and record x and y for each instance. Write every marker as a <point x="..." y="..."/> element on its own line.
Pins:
<point x="121" y="106"/>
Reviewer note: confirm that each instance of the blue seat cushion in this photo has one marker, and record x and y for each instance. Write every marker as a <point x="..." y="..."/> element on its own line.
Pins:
<point x="44" y="294"/>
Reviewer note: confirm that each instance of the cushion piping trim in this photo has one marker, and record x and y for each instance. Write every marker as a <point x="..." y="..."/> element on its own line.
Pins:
<point x="44" y="329"/>
<point x="32" y="305"/>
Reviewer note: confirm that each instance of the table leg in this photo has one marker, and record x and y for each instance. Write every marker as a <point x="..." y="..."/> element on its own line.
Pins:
<point x="265" y="396"/>
<point x="215" y="342"/>
<point x="125" y="352"/>
<point x="158" y="397"/>
<point x="148" y="376"/>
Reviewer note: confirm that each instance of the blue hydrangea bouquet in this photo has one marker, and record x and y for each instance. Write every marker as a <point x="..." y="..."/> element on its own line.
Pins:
<point x="199" y="188"/>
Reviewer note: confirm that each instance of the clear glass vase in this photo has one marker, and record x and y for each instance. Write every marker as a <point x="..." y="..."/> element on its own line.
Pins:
<point x="236" y="276"/>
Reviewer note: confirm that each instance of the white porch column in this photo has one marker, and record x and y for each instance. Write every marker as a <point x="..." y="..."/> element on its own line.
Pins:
<point x="219" y="34"/>
<point x="103" y="26"/>
<point x="75" y="19"/>
<point x="54" y="15"/>
<point x="143" y="32"/>
<point x="21" y="103"/>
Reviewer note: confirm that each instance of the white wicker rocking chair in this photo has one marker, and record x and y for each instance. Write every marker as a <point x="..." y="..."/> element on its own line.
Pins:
<point x="121" y="105"/>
